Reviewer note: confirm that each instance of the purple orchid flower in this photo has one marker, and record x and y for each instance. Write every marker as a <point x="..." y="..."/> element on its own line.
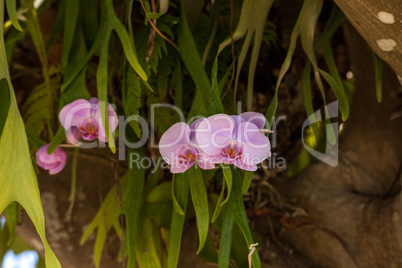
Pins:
<point x="81" y="119"/>
<point x="178" y="151"/>
<point x="234" y="140"/>
<point x="54" y="162"/>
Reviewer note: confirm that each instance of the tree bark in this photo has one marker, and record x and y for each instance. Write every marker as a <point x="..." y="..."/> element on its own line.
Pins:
<point x="380" y="24"/>
<point x="354" y="209"/>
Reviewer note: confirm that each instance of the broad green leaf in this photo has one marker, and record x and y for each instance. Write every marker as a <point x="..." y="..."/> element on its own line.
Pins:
<point x="239" y="212"/>
<point x="248" y="177"/>
<point x="378" y="77"/>
<point x="16" y="171"/>
<point x="4" y="102"/>
<point x="71" y="16"/>
<point x="181" y="191"/>
<point x="227" y="174"/>
<point x="188" y="51"/>
<point x="12" y="12"/>
<point x="200" y="202"/>
<point x="133" y="207"/>
<point x="146" y="248"/>
<point x="11" y="213"/>
<point x="226" y="239"/>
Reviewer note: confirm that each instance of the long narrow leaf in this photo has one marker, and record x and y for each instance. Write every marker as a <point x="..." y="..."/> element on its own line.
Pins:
<point x="227" y="174"/>
<point x="378" y="77"/>
<point x="12" y="12"/>
<point x="71" y="16"/>
<point x="200" y="202"/>
<point x="181" y="190"/>
<point x="284" y="68"/>
<point x="226" y="239"/>
<point x="102" y="82"/>
<point x="188" y="50"/>
<point x="239" y="212"/>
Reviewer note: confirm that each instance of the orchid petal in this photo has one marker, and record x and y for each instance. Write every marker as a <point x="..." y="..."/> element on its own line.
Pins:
<point x="214" y="132"/>
<point x="256" y="146"/>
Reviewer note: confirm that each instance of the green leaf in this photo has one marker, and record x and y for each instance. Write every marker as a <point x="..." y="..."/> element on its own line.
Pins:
<point x="161" y="193"/>
<point x="4" y="102"/>
<point x="146" y="246"/>
<point x="102" y="82"/>
<point x="57" y="140"/>
<point x="160" y="213"/>
<point x="128" y="47"/>
<point x="200" y="202"/>
<point x="106" y="218"/>
<point x="226" y="239"/>
<point x="164" y="70"/>
<point x="133" y="207"/>
<point x="218" y="207"/>
<point x="176" y="204"/>
<point x="378" y="77"/>
<point x="227" y="174"/>
<point x="11" y="213"/>
<point x="252" y="22"/>
<point x="12" y="12"/>
<point x="132" y="97"/>
<point x="71" y="16"/>
<point x="16" y="171"/>
<point x="239" y="212"/>
<point x="177" y="84"/>
<point x="153" y="15"/>
<point x="334" y="80"/>
<point x="307" y="99"/>
<point x="34" y="29"/>
<point x="188" y="51"/>
<point x="181" y="191"/>
<point x="248" y="177"/>
<point x="270" y="113"/>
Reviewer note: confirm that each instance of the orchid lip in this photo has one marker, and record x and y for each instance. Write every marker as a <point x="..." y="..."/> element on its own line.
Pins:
<point x="233" y="150"/>
<point x="185" y="155"/>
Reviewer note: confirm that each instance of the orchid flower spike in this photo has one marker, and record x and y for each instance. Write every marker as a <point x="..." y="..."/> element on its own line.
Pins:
<point x="54" y="162"/>
<point x="82" y="119"/>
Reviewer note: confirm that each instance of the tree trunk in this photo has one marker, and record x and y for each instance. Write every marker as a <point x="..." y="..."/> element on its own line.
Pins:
<point x="354" y="210"/>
